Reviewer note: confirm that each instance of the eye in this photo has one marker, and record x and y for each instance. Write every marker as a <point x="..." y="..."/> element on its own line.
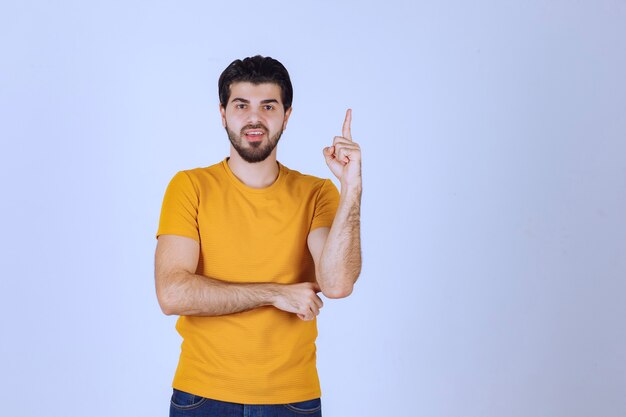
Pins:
<point x="268" y="107"/>
<point x="240" y="106"/>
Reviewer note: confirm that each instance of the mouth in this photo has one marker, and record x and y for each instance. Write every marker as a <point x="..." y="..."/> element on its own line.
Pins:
<point x="254" y="135"/>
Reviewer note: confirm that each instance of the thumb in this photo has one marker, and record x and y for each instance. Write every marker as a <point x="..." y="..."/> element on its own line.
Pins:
<point x="328" y="153"/>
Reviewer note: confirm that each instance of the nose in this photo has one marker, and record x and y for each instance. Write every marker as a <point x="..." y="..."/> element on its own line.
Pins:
<point x="253" y="116"/>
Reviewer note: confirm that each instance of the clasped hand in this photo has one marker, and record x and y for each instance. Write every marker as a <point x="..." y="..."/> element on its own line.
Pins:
<point x="300" y="299"/>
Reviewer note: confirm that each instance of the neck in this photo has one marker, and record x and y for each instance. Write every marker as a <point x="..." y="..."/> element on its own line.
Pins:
<point x="255" y="175"/>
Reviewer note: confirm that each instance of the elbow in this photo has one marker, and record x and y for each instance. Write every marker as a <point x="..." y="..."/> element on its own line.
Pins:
<point x="341" y="288"/>
<point x="167" y="306"/>
<point x="338" y="292"/>
<point x="167" y="310"/>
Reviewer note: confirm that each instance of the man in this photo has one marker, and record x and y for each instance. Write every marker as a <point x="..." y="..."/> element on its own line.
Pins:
<point x="244" y="247"/>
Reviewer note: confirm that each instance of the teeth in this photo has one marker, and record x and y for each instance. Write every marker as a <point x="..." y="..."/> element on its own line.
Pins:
<point x="255" y="133"/>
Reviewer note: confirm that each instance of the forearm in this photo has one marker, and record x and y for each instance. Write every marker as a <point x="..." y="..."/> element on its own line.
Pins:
<point x="182" y="292"/>
<point x="196" y="295"/>
<point x="340" y="263"/>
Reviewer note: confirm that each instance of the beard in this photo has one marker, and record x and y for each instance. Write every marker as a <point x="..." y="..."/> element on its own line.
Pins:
<point x="253" y="151"/>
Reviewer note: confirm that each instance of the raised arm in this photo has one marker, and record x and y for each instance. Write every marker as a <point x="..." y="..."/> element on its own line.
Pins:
<point x="337" y="251"/>
<point x="181" y="291"/>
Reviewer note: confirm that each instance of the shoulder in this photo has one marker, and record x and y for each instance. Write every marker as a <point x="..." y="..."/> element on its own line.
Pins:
<point x="300" y="180"/>
<point x="193" y="182"/>
<point x="198" y="177"/>
<point x="197" y="174"/>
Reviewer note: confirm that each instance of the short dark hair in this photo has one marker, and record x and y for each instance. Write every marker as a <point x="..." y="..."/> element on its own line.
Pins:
<point x="256" y="70"/>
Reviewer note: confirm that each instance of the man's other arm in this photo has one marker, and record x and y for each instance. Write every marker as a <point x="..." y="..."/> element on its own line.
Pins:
<point x="337" y="251"/>
<point x="181" y="291"/>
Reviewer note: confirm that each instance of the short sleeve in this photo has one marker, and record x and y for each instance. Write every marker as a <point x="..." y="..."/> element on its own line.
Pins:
<point x="179" y="212"/>
<point x="326" y="205"/>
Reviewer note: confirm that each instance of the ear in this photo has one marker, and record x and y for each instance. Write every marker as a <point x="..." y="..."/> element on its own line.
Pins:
<point x="223" y="114"/>
<point x="287" y="114"/>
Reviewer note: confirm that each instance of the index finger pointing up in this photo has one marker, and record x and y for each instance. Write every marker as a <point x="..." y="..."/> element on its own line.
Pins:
<point x="345" y="131"/>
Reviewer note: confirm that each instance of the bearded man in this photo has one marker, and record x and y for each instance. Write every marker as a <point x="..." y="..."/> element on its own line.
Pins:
<point x="244" y="248"/>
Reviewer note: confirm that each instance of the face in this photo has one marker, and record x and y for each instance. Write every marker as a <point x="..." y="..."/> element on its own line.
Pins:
<point x="254" y="119"/>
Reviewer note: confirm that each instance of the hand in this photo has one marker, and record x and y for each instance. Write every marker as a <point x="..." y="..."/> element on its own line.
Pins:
<point x="344" y="157"/>
<point x="301" y="299"/>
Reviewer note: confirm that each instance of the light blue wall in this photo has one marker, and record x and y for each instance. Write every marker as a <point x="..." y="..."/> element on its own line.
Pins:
<point x="494" y="235"/>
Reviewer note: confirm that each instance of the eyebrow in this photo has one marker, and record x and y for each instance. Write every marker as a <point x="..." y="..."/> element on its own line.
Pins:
<point x="266" y="101"/>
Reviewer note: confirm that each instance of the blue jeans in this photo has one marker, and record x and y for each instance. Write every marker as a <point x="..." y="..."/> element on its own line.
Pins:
<point x="184" y="404"/>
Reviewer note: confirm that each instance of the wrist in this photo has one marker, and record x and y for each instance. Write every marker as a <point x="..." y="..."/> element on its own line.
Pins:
<point x="271" y="293"/>
<point x="351" y="190"/>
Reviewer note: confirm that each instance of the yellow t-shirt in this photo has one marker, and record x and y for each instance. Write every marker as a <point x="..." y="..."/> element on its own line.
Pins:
<point x="265" y="355"/>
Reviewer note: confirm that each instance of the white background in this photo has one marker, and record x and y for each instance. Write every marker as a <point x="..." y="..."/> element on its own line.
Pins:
<point x="494" y="235"/>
